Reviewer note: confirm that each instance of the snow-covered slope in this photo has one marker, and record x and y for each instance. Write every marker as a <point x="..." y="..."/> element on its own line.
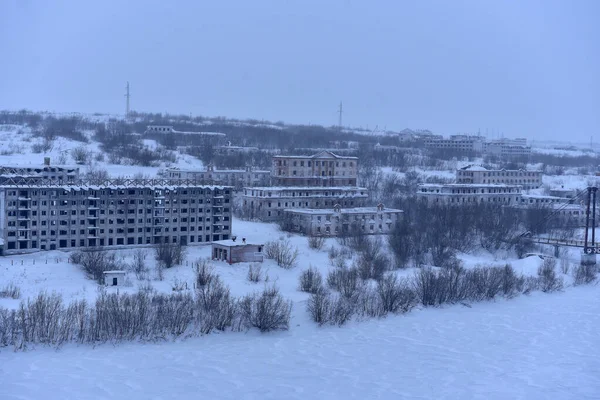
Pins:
<point x="535" y="347"/>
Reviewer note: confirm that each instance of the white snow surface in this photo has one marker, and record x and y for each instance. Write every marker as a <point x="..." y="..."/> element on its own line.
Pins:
<point x="532" y="347"/>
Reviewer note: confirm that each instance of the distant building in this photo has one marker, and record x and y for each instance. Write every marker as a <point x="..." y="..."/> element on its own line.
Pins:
<point x="507" y="148"/>
<point x="238" y="178"/>
<point x="268" y="203"/>
<point x="234" y="251"/>
<point x="324" y="169"/>
<point x="46" y="172"/>
<point x="339" y="221"/>
<point x="165" y="134"/>
<point x="459" y="143"/>
<point x="475" y="174"/>
<point x="457" y="193"/>
<point x="538" y="200"/>
<point x="230" y="150"/>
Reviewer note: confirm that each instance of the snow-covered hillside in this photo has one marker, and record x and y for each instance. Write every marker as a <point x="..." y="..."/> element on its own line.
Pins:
<point x="535" y="347"/>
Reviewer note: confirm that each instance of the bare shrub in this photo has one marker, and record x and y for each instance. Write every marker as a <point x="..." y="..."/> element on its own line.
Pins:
<point x="267" y="311"/>
<point x="342" y="311"/>
<point x="216" y="305"/>
<point x="169" y="254"/>
<point x="95" y="262"/>
<point x="204" y="272"/>
<point x="254" y="273"/>
<point x="584" y="274"/>
<point x="319" y="306"/>
<point x="511" y="283"/>
<point x="344" y="280"/>
<point x="138" y="266"/>
<point x="282" y="251"/>
<point x="81" y="155"/>
<point x="395" y="295"/>
<point x="548" y="280"/>
<point x="10" y="291"/>
<point x="311" y="280"/>
<point x="333" y="252"/>
<point x="316" y="242"/>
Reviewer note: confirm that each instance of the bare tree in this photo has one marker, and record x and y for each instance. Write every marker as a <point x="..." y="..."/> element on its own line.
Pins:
<point x="169" y="254"/>
<point x="311" y="280"/>
<point x="282" y="251"/>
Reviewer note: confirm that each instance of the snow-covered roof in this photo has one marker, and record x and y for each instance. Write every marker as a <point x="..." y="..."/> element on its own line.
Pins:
<point x="321" y="154"/>
<point x="329" y="211"/>
<point x="309" y="188"/>
<point x="114" y="272"/>
<point x="468" y="185"/>
<point x="235" y="243"/>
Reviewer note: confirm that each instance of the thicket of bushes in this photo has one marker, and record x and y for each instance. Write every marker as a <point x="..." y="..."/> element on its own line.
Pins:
<point x="145" y="315"/>
<point x="348" y="296"/>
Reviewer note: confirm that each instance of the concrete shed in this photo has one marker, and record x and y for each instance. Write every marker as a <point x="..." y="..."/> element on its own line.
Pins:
<point x="235" y="250"/>
<point x="114" y="278"/>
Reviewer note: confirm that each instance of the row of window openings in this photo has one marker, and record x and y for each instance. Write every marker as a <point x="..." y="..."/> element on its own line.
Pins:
<point x="317" y="163"/>
<point x="114" y="241"/>
<point x="93" y="203"/>
<point x="371" y="228"/>
<point x="317" y="204"/>
<point x="306" y="194"/>
<point x="92" y="232"/>
<point x="110" y="192"/>
<point x="119" y="221"/>
<point x="92" y="213"/>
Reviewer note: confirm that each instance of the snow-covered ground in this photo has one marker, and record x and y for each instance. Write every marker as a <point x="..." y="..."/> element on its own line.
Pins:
<point x="532" y="347"/>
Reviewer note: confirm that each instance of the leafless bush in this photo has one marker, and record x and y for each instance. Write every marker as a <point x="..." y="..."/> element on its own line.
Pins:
<point x="254" y="273"/>
<point x="169" y="254"/>
<point x="81" y="155"/>
<point x="548" y="280"/>
<point x="395" y="295"/>
<point x="333" y="252"/>
<point x="372" y="263"/>
<point x="311" y="280"/>
<point x="95" y="262"/>
<point x="344" y="280"/>
<point x="342" y="310"/>
<point x="10" y="291"/>
<point x="267" y="311"/>
<point x="138" y="266"/>
<point x="584" y="274"/>
<point x="282" y="251"/>
<point x="216" y="305"/>
<point x="319" y="306"/>
<point x="204" y="272"/>
<point x="316" y="242"/>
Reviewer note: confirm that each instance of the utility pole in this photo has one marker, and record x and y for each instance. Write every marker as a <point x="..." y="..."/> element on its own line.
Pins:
<point x="340" y="111"/>
<point x="127" y="96"/>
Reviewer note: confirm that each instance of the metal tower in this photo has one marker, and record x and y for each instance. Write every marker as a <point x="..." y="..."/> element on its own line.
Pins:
<point x="127" y="96"/>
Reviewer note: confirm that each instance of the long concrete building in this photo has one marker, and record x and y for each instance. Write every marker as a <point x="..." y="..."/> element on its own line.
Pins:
<point x="457" y="193"/>
<point x="268" y="203"/>
<point x="210" y="175"/>
<point x="339" y="221"/>
<point x="31" y="173"/>
<point x="111" y="214"/>
<point x="475" y="174"/>
<point x="321" y="169"/>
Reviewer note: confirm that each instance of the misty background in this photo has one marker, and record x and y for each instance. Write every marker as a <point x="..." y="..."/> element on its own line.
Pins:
<point x="517" y="68"/>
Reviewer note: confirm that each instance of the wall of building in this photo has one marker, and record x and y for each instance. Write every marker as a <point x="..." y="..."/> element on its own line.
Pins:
<point x="63" y="217"/>
<point x="527" y="179"/>
<point x="323" y="169"/>
<point x="267" y="204"/>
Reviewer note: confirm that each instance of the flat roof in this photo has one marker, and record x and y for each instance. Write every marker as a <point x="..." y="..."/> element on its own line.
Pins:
<point x="331" y="211"/>
<point x="114" y="272"/>
<point x="308" y="188"/>
<point x="468" y="185"/>
<point x="237" y="243"/>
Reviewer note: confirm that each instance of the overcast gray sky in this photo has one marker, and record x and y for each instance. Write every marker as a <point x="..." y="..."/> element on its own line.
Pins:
<point x="526" y="68"/>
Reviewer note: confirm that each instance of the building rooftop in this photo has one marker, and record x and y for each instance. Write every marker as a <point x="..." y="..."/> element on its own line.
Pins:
<point x="236" y="243"/>
<point x="80" y="184"/>
<point x="468" y="185"/>
<point x="325" y="153"/>
<point x="308" y="188"/>
<point x="331" y="211"/>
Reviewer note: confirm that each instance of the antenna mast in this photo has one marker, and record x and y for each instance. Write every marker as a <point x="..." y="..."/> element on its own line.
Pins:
<point x="340" y="111"/>
<point x="127" y="96"/>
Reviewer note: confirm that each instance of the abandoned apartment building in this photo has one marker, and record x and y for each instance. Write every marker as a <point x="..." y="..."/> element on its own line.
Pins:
<point x="53" y="215"/>
<point x="268" y="203"/>
<point x="339" y="221"/>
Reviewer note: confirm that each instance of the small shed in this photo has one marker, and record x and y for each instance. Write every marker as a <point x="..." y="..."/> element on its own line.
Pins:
<point x="235" y="251"/>
<point x="114" y="278"/>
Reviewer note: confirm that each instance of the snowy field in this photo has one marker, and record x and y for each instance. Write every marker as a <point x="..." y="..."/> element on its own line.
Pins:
<point x="532" y="347"/>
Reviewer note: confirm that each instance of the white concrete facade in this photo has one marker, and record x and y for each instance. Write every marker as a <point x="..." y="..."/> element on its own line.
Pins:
<point x="456" y="193"/>
<point x="322" y="169"/>
<point x="339" y="221"/>
<point x="474" y="174"/>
